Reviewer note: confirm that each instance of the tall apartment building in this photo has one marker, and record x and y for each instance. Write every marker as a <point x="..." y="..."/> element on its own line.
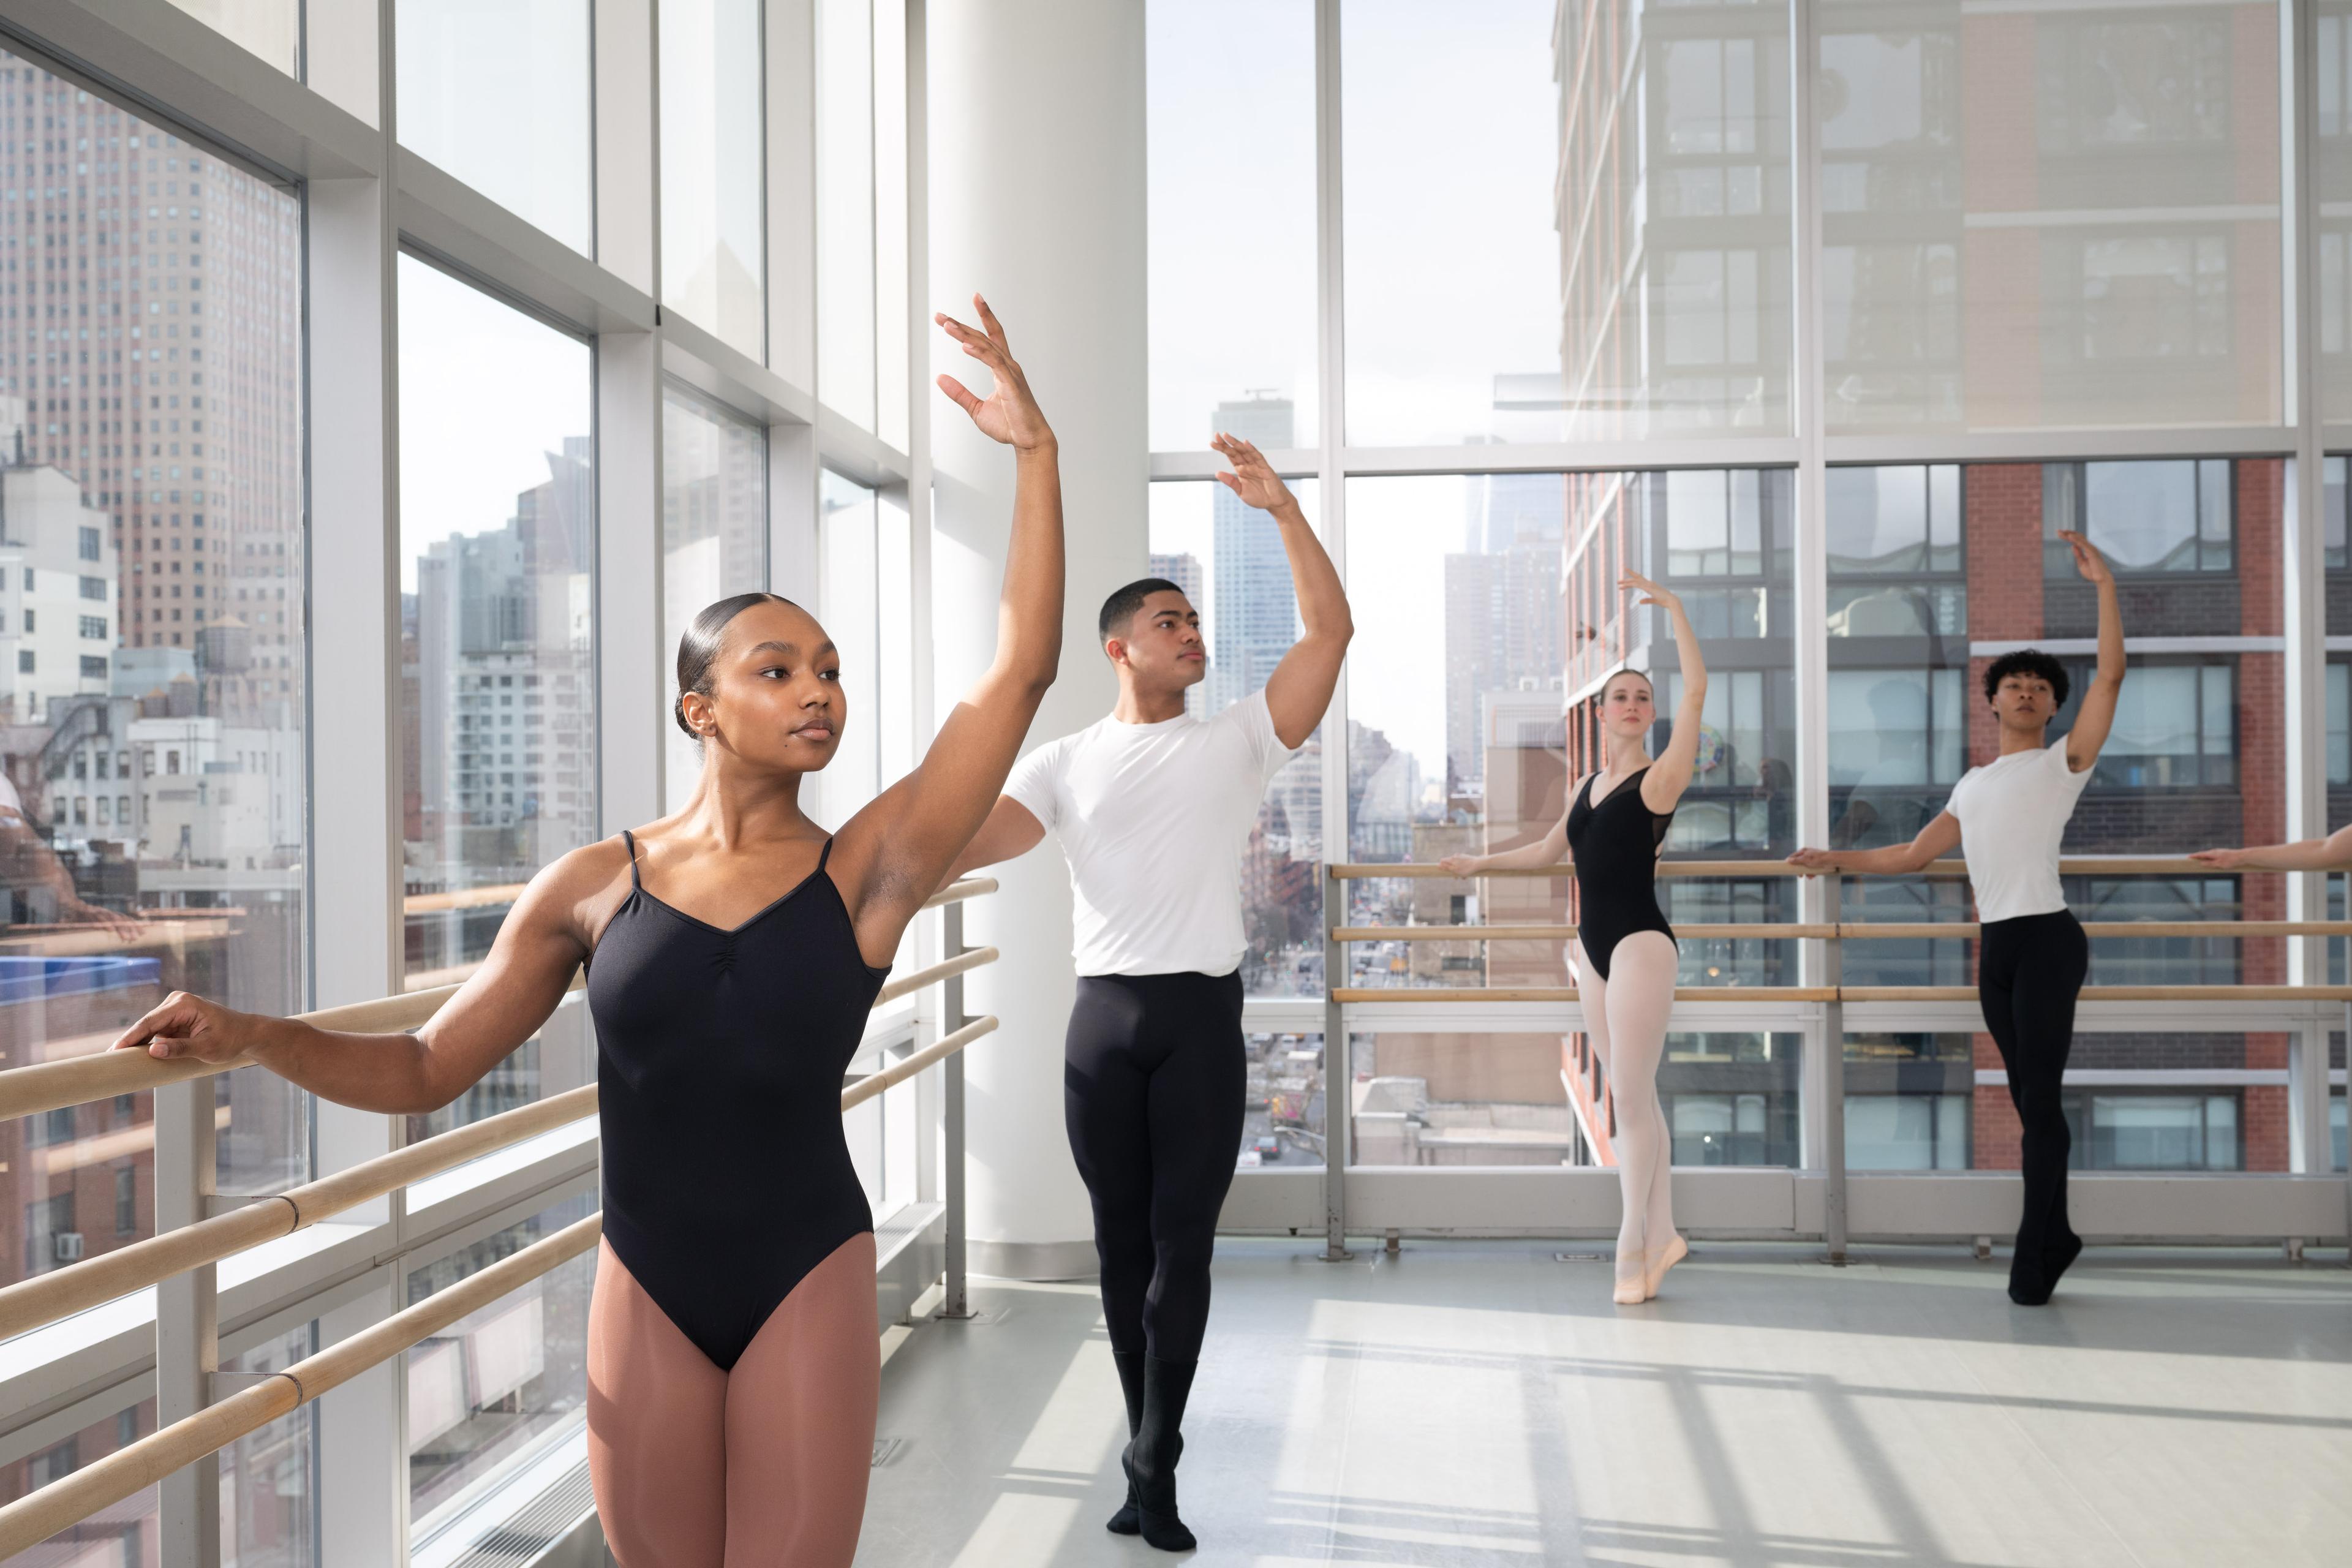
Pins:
<point x="150" y="307"/>
<point x="1256" y="610"/>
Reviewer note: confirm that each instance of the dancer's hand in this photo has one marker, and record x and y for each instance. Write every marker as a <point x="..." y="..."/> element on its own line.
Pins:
<point x="2221" y="860"/>
<point x="1651" y="592"/>
<point x="189" y="1028"/>
<point x="1008" y="413"/>
<point x="2087" y="559"/>
<point x="1252" y="478"/>
<point x="1461" y="865"/>
<point x="1813" y="860"/>
<point x="125" y="928"/>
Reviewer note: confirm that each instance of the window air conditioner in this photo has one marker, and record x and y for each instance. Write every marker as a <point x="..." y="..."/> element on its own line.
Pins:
<point x="67" y="1244"/>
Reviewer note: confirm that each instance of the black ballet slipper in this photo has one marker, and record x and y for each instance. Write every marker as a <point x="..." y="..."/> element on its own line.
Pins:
<point x="1150" y="1459"/>
<point x="2058" y="1259"/>
<point x="1128" y="1519"/>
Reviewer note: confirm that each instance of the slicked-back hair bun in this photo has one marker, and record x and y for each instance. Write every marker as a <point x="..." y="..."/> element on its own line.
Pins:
<point x="698" y="648"/>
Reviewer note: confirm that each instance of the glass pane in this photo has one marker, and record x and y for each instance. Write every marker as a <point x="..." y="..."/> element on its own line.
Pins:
<point x="845" y="207"/>
<point x="502" y="1385"/>
<point x="2051" y="218"/>
<point x="498" y="541"/>
<point x="714" y="536"/>
<point x="1229" y="560"/>
<point x="1477" y="749"/>
<point x="714" y="258"/>
<point x="1283" y="1126"/>
<point x="497" y="92"/>
<point x="2196" y="757"/>
<point x="1230" y="106"/>
<point x="849" y="603"/>
<point x="892" y="304"/>
<point x="1667" y="213"/>
<point x="265" y="1517"/>
<point x="269" y="28"/>
<point x="1471" y="1099"/>
<point x="153" y="762"/>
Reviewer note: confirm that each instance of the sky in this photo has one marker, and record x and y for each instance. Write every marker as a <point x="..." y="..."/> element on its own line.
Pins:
<point x="486" y="393"/>
<point x="1450" y="151"/>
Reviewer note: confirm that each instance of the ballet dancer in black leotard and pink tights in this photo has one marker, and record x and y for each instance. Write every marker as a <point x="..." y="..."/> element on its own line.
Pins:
<point x="1625" y="949"/>
<point x="733" y="1370"/>
<point x="2008" y="818"/>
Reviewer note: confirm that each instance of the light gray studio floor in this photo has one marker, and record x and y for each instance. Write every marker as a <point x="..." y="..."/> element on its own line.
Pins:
<point x="1483" y="1404"/>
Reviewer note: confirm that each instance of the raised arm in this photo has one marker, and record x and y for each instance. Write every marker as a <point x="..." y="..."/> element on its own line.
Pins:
<point x="500" y="1005"/>
<point x="1670" y="774"/>
<point x="1301" y="688"/>
<point x="1012" y="830"/>
<point x="1552" y="849"/>
<point x="2097" y="714"/>
<point x="1938" y="839"/>
<point x="896" y="850"/>
<point x="2331" y="853"/>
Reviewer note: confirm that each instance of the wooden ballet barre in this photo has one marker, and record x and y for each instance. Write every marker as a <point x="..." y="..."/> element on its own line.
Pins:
<point x="1846" y="994"/>
<point x="462" y="899"/>
<point x="1567" y="994"/>
<point x="76" y="1081"/>
<point x="45" y="1298"/>
<point x="1849" y="930"/>
<point x="2071" y="866"/>
<point x="939" y="1050"/>
<point x="969" y="958"/>
<point x="956" y="892"/>
<point x="1734" y="929"/>
<point x="34" y="1517"/>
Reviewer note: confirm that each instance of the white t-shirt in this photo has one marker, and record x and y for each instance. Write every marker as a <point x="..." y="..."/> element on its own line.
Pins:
<point x="1154" y="818"/>
<point x="2012" y="815"/>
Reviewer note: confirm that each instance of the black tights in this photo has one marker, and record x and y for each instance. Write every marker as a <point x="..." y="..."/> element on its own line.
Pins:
<point x="1152" y="1086"/>
<point x="2028" y="970"/>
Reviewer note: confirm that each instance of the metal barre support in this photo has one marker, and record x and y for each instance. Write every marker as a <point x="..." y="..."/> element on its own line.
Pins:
<point x="955" y="1281"/>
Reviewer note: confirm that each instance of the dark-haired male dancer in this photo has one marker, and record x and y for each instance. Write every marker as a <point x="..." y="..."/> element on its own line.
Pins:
<point x="2008" y="818"/>
<point x="1154" y="808"/>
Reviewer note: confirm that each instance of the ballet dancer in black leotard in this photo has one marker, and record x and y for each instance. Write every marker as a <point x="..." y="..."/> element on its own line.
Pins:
<point x="1154" y="809"/>
<point x="2008" y="818"/>
<point x="733" y="1364"/>
<point x="1625" y="949"/>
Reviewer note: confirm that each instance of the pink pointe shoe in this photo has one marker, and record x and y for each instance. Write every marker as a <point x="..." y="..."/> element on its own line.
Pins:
<point x="1673" y="1253"/>
<point x="1632" y="1292"/>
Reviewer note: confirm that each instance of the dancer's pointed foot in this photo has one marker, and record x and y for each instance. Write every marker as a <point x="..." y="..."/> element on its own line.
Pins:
<point x="1633" y="1288"/>
<point x="2060" y="1259"/>
<point x="1673" y="1252"/>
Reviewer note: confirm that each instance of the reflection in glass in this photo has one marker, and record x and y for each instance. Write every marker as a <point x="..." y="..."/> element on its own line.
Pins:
<point x="844" y="208"/>
<point x="1667" y="213"/>
<point x="504" y="1384"/>
<point x="714" y="539"/>
<point x="497" y="553"/>
<point x="266" y="1517"/>
<point x="1228" y="559"/>
<point x="714" y="258"/>
<point x="497" y="92"/>
<point x="2053" y="217"/>
<point x="152" y="645"/>
<point x="1231" y="87"/>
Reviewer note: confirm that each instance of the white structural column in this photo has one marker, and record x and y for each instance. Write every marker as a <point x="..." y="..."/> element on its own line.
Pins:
<point x="1036" y="183"/>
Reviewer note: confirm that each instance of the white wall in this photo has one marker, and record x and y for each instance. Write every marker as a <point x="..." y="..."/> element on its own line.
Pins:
<point x="1036" y="182"/>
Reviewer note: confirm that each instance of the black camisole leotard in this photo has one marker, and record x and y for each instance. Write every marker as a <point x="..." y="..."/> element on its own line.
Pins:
<point x="1615" y="846"/>
<point x="719" y="1056"/>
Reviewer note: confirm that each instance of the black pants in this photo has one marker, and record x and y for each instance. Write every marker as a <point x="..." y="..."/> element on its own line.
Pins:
<point x="2028" y="970"/>
<point x="1152" y="1084"/>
